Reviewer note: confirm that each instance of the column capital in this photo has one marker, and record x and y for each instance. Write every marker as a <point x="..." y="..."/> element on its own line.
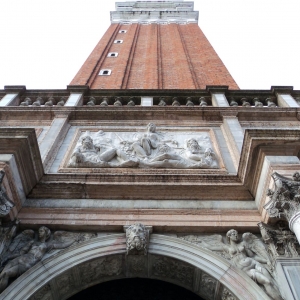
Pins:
<point x="285" y="198"/>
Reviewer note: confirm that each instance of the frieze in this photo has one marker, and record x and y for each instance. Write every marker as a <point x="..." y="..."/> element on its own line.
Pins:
<point x="149" y="149"/>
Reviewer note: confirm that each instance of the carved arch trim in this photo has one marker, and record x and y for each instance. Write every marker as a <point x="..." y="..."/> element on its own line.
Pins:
<point x="101" y="259"/>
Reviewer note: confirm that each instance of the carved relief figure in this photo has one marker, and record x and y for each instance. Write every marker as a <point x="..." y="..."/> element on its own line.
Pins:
<point x="150" y="149"/>
<point x="165" y="158"/>
<point x="249" y="255"/>
<point x="90" y="155"/>
<point x="25" y="251"/>
<point x="5" y="203"/>
<point x="137" y="237"/>
<point x="147" y="142"/>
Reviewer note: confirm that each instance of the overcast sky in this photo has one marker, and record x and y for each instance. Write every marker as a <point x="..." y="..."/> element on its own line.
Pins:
<point x="44" y="43"/>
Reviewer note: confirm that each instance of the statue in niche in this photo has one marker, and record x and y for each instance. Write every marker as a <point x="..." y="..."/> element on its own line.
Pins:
<point x="137" y="237"/>
<point x="90" y="155"/>
<point x="149" y="149"/>
<point x="25" y="251"/>
<point x="5" y="203"/>
<point x="249" y="255"/>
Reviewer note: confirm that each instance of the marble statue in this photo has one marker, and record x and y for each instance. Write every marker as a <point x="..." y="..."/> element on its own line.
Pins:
<point x="249" y="255"/>
<point x="25" y="251"/>
<point x="5" y="203"/>
<point x="137" y="239"/>
<point x="149" y="149"/>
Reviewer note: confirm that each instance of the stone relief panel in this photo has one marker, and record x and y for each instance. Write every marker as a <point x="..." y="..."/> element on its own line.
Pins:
<point x="137" y="266"/>
<point x="164" y="267"/>
<point x="43" y="293"/>
<point x="28" y="248"/>
<point x="148" y="149"/>
<point x="92" y="271"/>
<point x="208" y="286"/>
<point x="248" y="254"/>
<point x="66" y="283"/>
<point x="227" y="295"/>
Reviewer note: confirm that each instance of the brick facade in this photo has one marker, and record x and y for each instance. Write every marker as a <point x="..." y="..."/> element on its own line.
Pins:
<point x="154" y="56"/>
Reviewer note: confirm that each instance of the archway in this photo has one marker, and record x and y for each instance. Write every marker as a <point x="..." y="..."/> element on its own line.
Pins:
<point x="136" y="289"/>
<point x="103" y="259"/>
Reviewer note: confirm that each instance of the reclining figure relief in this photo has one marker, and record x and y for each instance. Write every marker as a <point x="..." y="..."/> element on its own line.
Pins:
<point x="150" y="149"/>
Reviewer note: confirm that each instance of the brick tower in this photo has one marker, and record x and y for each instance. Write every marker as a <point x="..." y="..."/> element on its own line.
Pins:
<point x="153" y="45"/>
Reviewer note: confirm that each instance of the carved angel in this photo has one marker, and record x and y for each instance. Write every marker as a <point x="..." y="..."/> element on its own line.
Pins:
<point x="246" y="255"/>
<point x="16" y="246"/>
<point x="25" y="251"/>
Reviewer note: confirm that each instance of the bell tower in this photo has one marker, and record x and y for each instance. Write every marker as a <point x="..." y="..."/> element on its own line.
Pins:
<point x="153" y="45"/>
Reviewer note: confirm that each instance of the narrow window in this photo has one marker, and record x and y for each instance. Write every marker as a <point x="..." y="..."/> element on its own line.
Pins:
<point x="122" y="31"/>
<point x="105" y="72"/>
<point x="118" y="41"/>
<point x="112" y="54"/>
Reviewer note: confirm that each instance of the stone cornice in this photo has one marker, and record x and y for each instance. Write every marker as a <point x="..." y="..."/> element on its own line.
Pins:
<point x="261" y="142"/>
<point x="22" y="143"/>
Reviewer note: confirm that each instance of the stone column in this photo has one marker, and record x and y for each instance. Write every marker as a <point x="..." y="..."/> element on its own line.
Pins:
<point x="285" y="201"/>
<point x="294" y="224"/>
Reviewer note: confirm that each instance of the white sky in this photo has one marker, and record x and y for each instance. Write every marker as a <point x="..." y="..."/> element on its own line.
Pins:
<point x="44" y="43"/>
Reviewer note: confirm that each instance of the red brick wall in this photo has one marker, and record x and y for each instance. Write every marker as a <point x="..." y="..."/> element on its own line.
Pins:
<point x="207" y="65"/>
<point x="154" y="57"/>
<point x="84" y="73"/>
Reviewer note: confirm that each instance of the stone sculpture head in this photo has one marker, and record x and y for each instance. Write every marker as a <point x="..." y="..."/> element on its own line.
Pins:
<point x="87" y="142"/>
<point x="296" y="176"/>
<point x="208" y="152"/>
<point x="193" y="145"/>
<point x="137" y="238"/>
<point x="248" y="237"/>
<point x="151" y="127"/>
<point x="232" y="235"/>
<point x="44" y="233"/>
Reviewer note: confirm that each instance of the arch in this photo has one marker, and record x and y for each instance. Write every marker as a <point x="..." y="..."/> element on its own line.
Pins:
<point x="101" y="259"/>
